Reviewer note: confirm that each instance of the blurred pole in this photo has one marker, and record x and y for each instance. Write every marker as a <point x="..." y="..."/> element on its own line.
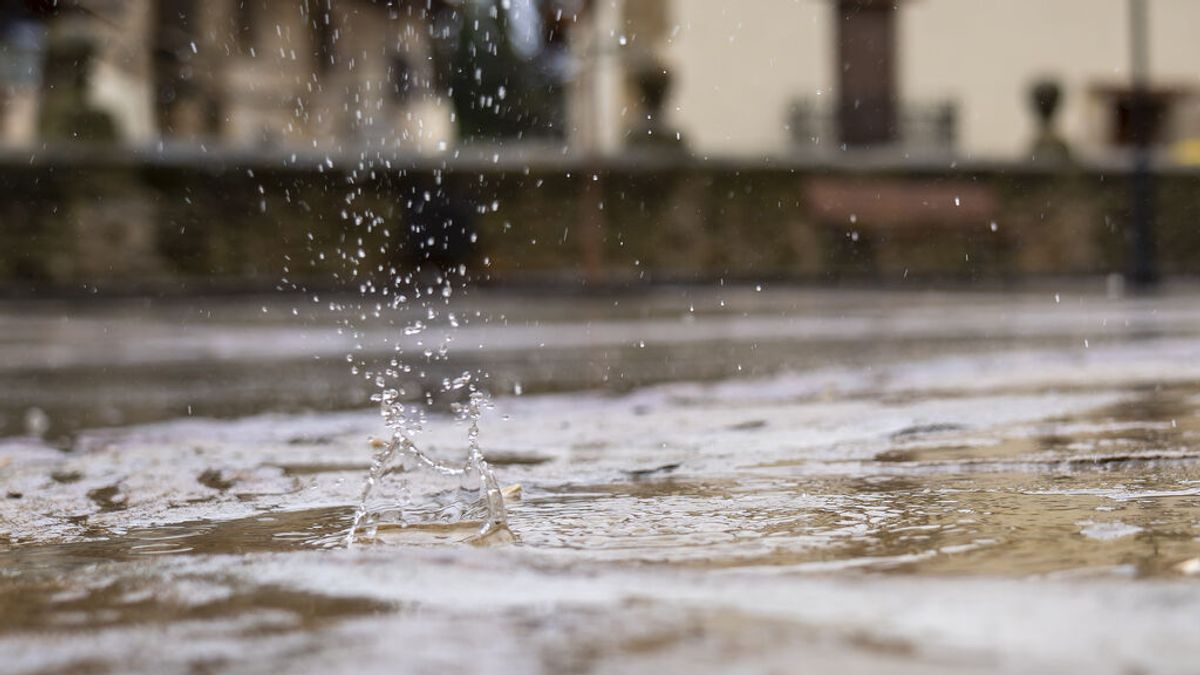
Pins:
<point x="602" y="136"/>
<point x="1142" y="266"/>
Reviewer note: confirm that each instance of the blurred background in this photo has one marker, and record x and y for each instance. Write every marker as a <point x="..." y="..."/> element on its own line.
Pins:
<point x="854" y="333"/>
<point x="167" y="144"/>
<point x="157" y="154"/>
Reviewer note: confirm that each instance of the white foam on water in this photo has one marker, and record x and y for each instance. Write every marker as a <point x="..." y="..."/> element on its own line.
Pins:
<point x="1108" y="531"/>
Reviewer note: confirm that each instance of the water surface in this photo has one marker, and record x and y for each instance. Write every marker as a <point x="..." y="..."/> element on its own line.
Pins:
<point x="859" y="482"/>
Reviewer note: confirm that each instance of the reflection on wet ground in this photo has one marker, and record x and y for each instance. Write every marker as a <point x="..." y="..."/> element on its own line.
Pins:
<point x="1016" y="495"/>
<point x="280" y="531"/>
<point x="71" y="366"/>
<point x="1116" y="490"/>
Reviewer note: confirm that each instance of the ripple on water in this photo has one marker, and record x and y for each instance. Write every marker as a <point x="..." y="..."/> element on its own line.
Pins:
<point x="1014" y="523"/>
<point x="1031" y="496"/>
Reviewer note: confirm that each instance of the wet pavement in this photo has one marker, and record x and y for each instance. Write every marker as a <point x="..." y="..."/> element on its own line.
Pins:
<point x="712" y="481"/>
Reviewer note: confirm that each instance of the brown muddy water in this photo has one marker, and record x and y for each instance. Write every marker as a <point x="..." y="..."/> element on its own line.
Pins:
<point x="703" y="481"/>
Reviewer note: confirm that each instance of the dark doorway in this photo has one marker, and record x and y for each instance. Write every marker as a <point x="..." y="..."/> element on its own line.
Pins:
<point x="866" y="66"/>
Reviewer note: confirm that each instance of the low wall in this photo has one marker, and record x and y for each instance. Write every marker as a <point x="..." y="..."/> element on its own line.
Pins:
<point x="152" y="221"/>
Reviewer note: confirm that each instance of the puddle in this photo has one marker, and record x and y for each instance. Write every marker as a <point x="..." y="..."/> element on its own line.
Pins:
<point x="273" y="531"/>
<point x="889" y="506"/>
<point x="64" y="607"/>
<point x="1113" y="488"/>
<point x="994" y="523"/>
<point x="1155" y="424"/>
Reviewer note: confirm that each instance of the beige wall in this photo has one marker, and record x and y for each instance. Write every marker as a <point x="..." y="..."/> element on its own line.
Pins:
<point x="986" y="52"/>
<point x="740" y="64"/>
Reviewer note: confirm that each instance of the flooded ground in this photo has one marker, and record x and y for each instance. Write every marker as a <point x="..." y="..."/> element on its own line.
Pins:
<point x="703" y="481"/>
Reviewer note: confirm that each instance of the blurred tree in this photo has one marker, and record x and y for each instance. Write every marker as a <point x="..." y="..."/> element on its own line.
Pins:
<point x="66" y="114"/>
<point x="498" y="93"/>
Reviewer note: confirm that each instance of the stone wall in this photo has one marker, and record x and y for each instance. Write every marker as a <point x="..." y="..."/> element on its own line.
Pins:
<point x="78" y="222"/>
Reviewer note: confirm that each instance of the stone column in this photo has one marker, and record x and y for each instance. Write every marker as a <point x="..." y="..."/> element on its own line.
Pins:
<point x="648" y="76"/>
<point x="101" y="217"/>
<point x="123" y="75"/>
<point x="22" y="40"/>
<point x="593" y="101"/>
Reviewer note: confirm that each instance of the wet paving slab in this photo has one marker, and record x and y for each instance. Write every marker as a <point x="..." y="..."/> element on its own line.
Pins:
<point x="981" y="508"/>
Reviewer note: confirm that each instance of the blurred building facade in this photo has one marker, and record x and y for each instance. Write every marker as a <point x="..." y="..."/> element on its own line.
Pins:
<point x="769" y="77"/>
<point x="249" y="73"/>
<point x="971" y="62"/>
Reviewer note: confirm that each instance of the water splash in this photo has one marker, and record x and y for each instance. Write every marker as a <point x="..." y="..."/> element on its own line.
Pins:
<point x="451" y="493"/>
<point x="403" y="324"/>
<point x="404" y="240"/>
